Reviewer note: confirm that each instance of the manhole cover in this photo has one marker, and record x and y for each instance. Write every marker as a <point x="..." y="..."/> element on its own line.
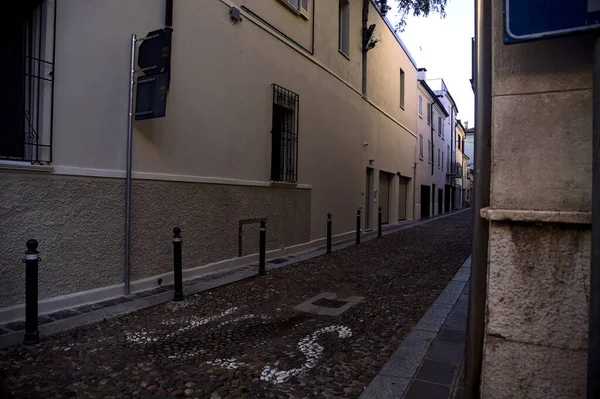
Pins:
<point x="329" y="303"/>
<point x="407" y="280"/>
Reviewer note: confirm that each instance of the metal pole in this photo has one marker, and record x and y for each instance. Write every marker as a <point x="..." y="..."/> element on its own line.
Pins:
<point x="177" y="268"/>
<point x="593" y="379"/>
<point x="379" y="228"/>
<point x="483" y="137"/>
<point x="329" y="233"/>
<point x="32" y="335"/>
<point x="358" y="226"/>
<point x="128" y="171"/>
<point x="262" y="249"/>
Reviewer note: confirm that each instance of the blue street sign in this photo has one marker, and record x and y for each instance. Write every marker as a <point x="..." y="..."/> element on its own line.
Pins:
<point x="537" y="19"/>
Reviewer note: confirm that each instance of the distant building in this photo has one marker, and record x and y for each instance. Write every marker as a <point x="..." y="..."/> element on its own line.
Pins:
<point x="433" y="150"/>
<point x="451" y="194"/>
<point x="461" y="182"/>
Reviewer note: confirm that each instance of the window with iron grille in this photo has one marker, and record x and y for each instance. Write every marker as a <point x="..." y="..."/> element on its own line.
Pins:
<point x="284" y="135"/>
<point x="26" y="78"/>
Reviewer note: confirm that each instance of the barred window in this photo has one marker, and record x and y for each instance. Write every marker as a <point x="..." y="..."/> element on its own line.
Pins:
<point x="284" y="135"/>
<point x="26" y="78"/>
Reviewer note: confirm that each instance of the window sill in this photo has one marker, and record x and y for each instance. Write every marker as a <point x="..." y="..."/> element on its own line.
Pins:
<point x="24" y="166"/>
<point x="402" y="106"/>
<point x="283" y="184"/>
<point x="293" y="9"/>
<point x="421" y="116"/>
<point x="344" y="54"/>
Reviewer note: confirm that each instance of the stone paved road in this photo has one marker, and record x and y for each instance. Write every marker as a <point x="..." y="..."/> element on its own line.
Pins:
<point x="246" y="339"/>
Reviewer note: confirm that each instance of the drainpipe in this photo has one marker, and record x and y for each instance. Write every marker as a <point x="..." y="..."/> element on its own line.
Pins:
<point x="365" y="21"/>
<point x="169" y="30"/>
<point x="479" y="260"/>
<point x="593" y="380"/>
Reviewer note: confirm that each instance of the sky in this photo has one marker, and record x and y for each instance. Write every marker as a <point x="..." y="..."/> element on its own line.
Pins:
<point x="443" y="46"/>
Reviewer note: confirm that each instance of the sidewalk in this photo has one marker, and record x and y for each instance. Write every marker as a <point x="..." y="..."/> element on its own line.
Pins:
<point x="429" y="362"/>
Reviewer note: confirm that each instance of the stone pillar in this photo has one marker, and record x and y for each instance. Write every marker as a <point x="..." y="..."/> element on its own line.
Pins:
<point x="540" y="231"/>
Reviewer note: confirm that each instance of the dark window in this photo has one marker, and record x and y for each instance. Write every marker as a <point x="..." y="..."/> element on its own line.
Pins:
<point x="344" y="27"/>
<point x="284" y="139"/>
<point x="402" y="88"/>
<point x="428" y="113"/>
<point x="26" y="72"/>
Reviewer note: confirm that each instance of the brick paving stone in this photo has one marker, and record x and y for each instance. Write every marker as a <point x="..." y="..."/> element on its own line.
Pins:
<point x="450" y="353"/>
<point x="245" y="339"/>
<point x="452" y="336"/>
<point x="456" y="320"/>
<point x="436" y="371"/>
<point x="426" y="390"/>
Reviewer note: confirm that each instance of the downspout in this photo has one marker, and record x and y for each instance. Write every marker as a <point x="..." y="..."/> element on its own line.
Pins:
<point x="432" y="147"/>
<point x="169" y="30"/>
<point x="365" y="21"/>
<point x="482" y="161"/>
<point x="593" y="378"/>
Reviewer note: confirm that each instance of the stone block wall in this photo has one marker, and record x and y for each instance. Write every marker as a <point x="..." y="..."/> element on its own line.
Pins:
<point x="540" y="232"/>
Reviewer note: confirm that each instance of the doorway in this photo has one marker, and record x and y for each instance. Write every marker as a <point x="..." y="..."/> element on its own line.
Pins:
<point x="440" y="196"/>
<point x="402" y="192"/>
<point x="447" y="199"/>
<point x="425" y="201"/>
<point x="384" y="196"/>
<point x="433" y="207"/>
<point x="368" y="197"/>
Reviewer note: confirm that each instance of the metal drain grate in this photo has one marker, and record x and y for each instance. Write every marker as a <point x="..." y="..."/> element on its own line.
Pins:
<point x="329" y="303"/>
<point x="278" y="260"/>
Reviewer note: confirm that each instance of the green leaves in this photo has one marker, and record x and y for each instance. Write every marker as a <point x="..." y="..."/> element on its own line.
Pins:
<point x="417" y="7"/>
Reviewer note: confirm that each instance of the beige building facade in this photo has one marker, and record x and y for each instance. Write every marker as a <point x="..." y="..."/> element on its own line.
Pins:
<point x="432" y="152"/>
<point x="462" y="181"/>
<point x="207" y="166"/>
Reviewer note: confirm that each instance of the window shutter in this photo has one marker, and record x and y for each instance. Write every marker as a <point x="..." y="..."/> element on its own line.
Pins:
<point x="304" y="8"/>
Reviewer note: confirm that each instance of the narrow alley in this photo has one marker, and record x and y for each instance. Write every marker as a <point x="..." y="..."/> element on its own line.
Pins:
<point x="319" y="328"/>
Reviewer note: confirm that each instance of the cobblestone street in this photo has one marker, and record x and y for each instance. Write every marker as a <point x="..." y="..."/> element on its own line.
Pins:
<point x="246" y="339"/>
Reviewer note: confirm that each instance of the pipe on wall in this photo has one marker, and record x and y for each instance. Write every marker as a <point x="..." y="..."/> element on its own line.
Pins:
<point x="593" y="377"/>
<point x="483" y="138"/>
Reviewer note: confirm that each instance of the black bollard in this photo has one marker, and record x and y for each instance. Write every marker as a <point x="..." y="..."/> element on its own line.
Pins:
<point x="358" y="226"/>
<point x="329" y="233"/>
<point x="177" y="268"/>
<point x="379" y="229"/>
<point x="262" y="249"/>
<point x="32" y="335"/>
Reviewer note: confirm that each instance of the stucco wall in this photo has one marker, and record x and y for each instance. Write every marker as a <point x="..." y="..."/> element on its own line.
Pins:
<point x="219" y="111"/>
<point x="79" y="223"/>
<point x="538" y="285"/>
